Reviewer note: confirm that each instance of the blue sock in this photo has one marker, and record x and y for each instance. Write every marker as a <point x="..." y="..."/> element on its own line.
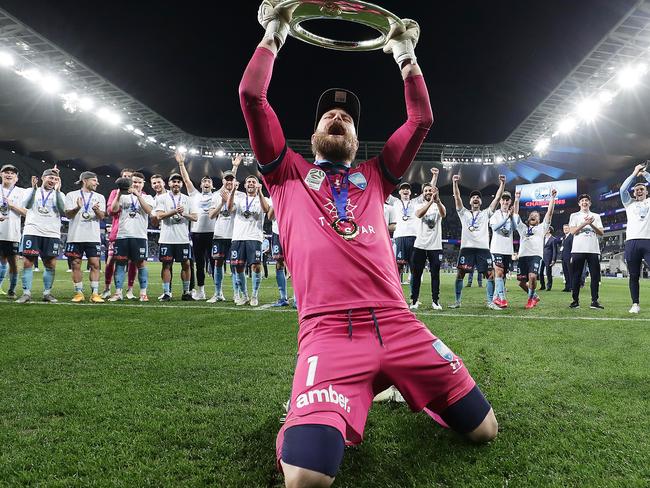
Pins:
<point x="500" y="288"/>
<point x="13" y="281"/>
<point x="234" y="277"/>
<point x="48" y="279"/>
<point x="3" y="272"/>
<point x="28" y="276"/>
<point x="281" y="280"/>
<point x="120" y="271"/>
<point x="167" y="288"/>
<point x="489" y="290"/>
<point x="143" y="279"/>
<point x="241" y="279"/>
<point x="186" y="286"/>
<point x="218" y="280"/>
<point x="257" y="281"/>
<point x="459" y="289"/>
<point x="531" y="292"/>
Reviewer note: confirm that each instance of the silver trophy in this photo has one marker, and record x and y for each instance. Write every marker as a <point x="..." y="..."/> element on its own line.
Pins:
<point x="384" y="22"/>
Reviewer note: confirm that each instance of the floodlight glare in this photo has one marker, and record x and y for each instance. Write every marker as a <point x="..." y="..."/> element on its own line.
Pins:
<point x="6" y="59"/>
<point x="182" y="149"/>
<point x="138" y="132"/>
<point x="220" y="153"/>
<point x="194" y="151"/>
<point x="151" y="139"/>
<point x="567" y="125"/>
<point x="129" y="127"/>
<point x="499" y="159"/>
<point x="50" y="84"/>
<point x="86" y="103"/>
<point x="630" y="76"/>
<point x="605" y="96"/>
<point x="108" y="116"/>
<point x="542" y="145"/>
<point x="588" y="109"/>
<point x="31" y="74"/>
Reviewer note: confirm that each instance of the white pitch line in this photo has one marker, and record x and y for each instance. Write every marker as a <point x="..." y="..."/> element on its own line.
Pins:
<point x="267" y="308"/>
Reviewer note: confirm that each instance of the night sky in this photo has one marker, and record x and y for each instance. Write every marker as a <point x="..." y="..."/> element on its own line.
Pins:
<point x="487" y="64"/>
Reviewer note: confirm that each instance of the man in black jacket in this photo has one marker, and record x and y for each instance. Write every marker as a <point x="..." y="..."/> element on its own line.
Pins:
<point x="566" y="242"/>
<point x="550" y="256"/>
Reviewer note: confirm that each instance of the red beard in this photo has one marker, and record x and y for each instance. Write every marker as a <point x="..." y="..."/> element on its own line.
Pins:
<point x="335" y="149"/>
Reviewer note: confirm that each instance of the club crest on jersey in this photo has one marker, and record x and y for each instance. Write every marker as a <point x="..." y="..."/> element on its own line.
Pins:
<point x="358" y="180"/>
<point x="443" y="350"/>
<point x="314" y="178"/>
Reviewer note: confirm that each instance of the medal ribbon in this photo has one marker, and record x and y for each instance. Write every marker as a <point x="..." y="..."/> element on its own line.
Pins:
<point x="174" y="202"/>
<point x="338" y="178"/>
<point x="134" y="204"/>
<point x="405" y="209"/>
<point x="475" y="219"/>
<point x="248" y="204"/>
<point x="86" y="205"/>
<point x="5" y="198"/>
<point x="44" y="198"/>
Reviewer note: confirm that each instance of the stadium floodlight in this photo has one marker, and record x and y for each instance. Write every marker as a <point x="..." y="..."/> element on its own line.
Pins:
<point x="138" y="132"/>
<point x="630" y="76"/>
<point x="31" y="74"/>
<point x="566" y="125"/>
<point x="182" y="149"/>
<point x="6" y="59"/>
<point x="499" y="159"/>
<point x="542" y="145"/>
<point x="109" y="116"/>
<point x="606" y="96"/>
<point x="50" y="84"/>
<point x="151" y="139"/>
<point x="194" y="151"/>
<point x="588" y="109"/>
<point x="220" y="153"/>
<point x="129" y="127"/>
<point x="86" y="103"/>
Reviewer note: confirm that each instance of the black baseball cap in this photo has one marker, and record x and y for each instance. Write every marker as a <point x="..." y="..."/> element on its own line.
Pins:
<point x="175" y="176"/>
<point x="405" y="184"/>
<point x="506" y="195"/>
<point x="86" y="175"/>
<point x="339" y="98"/>
<point x="584" y="195"/>
<point x="227" y="174"/>
<point x="640" y="183"/>
<point x="9" y="167"/>
<point x="477" y="193"/>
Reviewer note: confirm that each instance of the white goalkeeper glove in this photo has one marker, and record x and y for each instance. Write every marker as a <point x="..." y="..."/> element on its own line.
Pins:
<point x="402" y="43"/>
<point x="275" y="21"/>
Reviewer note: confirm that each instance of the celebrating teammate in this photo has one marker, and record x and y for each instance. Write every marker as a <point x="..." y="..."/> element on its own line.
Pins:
<point x="11" y="211"/>
<point x="503" y="226"/>
<point x="132" y="207"/>
<point x="585" y="226"/>
<point x="85" y="208"/>
<point x="42" y="232"/>
<point x="531" y="247"/>
<point x="637" y="241"/>
<point x="406" y="229"/>
<point x="356" y="333"/>
<point x="428" y="244"/>
<point x="475" y="240"/>
<point x="249" y="211"/>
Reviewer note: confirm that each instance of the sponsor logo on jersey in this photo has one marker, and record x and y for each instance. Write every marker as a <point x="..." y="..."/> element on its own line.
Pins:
<point x="328" y="395"/>
<point x="443" y="350"/>
<point x="314" y="178"/>
<point x="358" y="180"/>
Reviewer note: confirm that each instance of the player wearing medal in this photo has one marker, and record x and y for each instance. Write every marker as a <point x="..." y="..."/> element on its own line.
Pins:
<point x="278" y="256"/>
<point x="158" y="185"/>
<point x="85" y="208"/>
<point x="475" y="240"/>
<point x="222" y="238"/>
<point x="356" y="334"/>
<point x="42" y="232"/>
<point x="11" y="211"/>
<point x="531" y="247"/>
<point x="175" y="212"/>
<point x="109" y="268"/>
<point x="501" y="247"/>
<point x="585" y="226"/>
<point x="406" y="229"/>
<point x="428" y="244"/>
<point x="249" y="211"/>
<point x="637" y="239"/>
<point x="132" y="207"/>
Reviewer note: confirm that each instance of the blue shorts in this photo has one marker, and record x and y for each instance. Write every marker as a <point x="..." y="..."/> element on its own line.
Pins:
<point x="527" y="265"/>
<point x="472" y="257"/>
<point x="78" y="249"/>
<point x="502" y="261"/>
<point x="404" y="249"/>
<point x="220" y="248"/>
<point x="131" y="249"/>
<point x="178" y="253"/>
<point x="245" y="252"/>
<point x="8" y="249"/>
<point x="46" y="247"/>
<point x="276" y="247"/>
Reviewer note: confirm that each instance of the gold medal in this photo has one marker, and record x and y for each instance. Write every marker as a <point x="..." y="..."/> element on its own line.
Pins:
<point x="347" y="229"/>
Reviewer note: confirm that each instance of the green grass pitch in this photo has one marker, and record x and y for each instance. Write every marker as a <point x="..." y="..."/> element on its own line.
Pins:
<point x="190" y="394"/>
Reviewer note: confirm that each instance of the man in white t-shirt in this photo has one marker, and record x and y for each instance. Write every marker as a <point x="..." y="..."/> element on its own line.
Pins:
<point x="637" y="238"/>
<point x="249" y="210"/>
<point x="11" y="211"/>
<point x="85" y="208"/>
<point x="503" y="227"/>
<point x="428" y="243"/>
<point x="42" y="232"/>
<point x="586" y="227"/>
<point x="475" y="240"/>
<point x="406" y="228"/>
<point x="133" y="207"/>
<point x="222" y="238"/>
<point x="531" y="247"/>
<point x="174" y="212"/>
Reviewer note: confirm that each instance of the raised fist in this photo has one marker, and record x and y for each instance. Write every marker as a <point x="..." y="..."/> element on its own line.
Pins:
<point x="180" y="157"/>
<point x="554" y="193"/>
<point x="236" y="161"/>
<point x="502" y="178"/>
<point x="34" y="181"/>
<point x="435" y="171"/>
<point x="402" y="43"/>
<point x="455" y="178"/>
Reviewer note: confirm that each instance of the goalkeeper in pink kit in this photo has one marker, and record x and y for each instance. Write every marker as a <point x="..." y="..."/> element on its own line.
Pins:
<point x="357" y="335"/>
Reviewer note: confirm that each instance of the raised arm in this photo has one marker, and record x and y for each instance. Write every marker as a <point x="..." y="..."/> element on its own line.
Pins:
<point x="515" y="205"/>
<point x="458" y="201"/>
<point x="31" y="195"/>
<point x="624" y="191"/>
<point x="180" y="159"/>
<point x="497" y="197"/>
<point x="551" y="207"/>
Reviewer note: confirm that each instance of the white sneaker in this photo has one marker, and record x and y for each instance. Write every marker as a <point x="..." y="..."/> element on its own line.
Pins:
<point x="254" y="301"/>
<point x="436" y="306"/>
<point x="635" y="308"/>
<point x="116" y="298"/>
<point x="198" y="295"/>
<point x="221" y="298"/>
<point x="212" y="299"/>
<point x="68" y="270"/>
<point x="106" y="294"/>
<point x="454" y="305"/>
<point x="130" y="295"/>
<point x="241" y="300"/>
<point x="493" y="306"/>
<point x="414" y="306"/>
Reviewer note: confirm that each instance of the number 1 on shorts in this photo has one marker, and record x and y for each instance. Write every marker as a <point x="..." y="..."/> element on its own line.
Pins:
<point x="311" y="373"/>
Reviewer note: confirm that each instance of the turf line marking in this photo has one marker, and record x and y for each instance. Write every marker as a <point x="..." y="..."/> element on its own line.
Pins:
<point x="268" y="308"/>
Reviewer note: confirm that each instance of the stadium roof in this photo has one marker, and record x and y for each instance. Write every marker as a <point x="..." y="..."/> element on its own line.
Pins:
<point x="128" y="133"/>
